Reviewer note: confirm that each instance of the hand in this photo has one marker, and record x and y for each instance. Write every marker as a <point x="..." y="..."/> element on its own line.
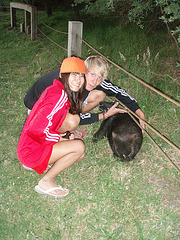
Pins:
<point x="114" y="110"/>
<point x="67" y="136"/>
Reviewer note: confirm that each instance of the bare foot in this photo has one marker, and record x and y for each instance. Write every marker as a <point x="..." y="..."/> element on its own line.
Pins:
<point x="49" y="184"/>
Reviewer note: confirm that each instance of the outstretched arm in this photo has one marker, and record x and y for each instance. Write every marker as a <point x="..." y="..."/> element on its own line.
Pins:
<point x="89" y="118"/>
<point x="112" y="90"/>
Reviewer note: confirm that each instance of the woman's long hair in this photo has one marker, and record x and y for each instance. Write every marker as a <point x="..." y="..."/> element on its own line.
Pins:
<point x="75" y="98"/>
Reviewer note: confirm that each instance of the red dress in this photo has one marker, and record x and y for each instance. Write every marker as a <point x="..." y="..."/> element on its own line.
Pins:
<point x="41" y="130"/>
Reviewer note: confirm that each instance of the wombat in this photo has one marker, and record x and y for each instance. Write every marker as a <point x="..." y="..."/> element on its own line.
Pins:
<point x="124" y="135"/>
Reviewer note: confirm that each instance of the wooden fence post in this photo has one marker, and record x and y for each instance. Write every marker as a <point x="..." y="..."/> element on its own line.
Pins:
<point x="27" y="21"/>
<point x="75" y="30"/>
<point x="21" y="27"/>
<point x="13" y="16"/>
<point x="33" y="23"/>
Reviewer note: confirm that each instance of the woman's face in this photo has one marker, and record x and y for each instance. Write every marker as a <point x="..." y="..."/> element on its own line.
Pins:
<point x="76" y="81"/>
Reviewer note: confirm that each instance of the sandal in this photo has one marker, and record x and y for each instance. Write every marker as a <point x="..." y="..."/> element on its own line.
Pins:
<point x="48" y="192"/>
<point x="79" y="134"/>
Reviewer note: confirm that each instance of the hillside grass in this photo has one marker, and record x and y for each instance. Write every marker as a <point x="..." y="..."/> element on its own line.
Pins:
<point x="108" y="199"/>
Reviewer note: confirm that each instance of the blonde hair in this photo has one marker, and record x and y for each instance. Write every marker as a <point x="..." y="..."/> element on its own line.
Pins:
<point x="99" y="63"/>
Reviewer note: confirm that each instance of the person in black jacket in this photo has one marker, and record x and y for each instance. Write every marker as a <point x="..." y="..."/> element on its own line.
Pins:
<point x="97" y="87"/>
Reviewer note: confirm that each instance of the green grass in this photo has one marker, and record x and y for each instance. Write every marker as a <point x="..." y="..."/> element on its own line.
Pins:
<point x="108" y="199"/>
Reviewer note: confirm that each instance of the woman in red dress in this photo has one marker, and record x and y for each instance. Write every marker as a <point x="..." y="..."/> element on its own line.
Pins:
<point x="41" y="142"/>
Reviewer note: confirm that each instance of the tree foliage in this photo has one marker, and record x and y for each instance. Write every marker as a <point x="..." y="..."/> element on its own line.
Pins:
<point x="168" y="11"/>
<point x="103" y="7"/>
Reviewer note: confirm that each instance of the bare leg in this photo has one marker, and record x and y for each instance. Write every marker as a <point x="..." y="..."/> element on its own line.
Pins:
<point x="94" y="98"/>
<point x="64" y="154"/>
<point x="70" y="123"/>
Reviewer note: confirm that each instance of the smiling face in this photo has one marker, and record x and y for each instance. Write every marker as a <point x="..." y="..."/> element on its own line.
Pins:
<point x="76" y="81"/>
<point x="93" y="78"/>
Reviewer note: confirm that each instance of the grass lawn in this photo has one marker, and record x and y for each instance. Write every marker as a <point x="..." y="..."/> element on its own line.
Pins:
<point x="108" y="199"/>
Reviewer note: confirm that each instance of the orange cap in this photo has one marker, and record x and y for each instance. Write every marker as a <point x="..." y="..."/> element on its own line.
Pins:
<point x="73" y="64"/>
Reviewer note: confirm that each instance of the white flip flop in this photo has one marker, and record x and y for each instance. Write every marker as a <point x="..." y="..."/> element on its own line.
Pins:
<point x="48" y="192"/>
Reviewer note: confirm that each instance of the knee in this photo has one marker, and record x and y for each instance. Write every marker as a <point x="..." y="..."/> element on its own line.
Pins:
<point x="100" y="96"/>
<point x="97" y="96"/>
<point x="80" y="148"/>
<point x="72" y="122"/>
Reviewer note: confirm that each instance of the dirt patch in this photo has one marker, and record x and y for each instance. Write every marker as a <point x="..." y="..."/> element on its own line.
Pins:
<point x="169" y="191"/>
<point x="22" y="70"/>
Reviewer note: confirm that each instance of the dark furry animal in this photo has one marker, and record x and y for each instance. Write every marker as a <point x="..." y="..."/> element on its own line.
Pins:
<point x="124" y="135"/>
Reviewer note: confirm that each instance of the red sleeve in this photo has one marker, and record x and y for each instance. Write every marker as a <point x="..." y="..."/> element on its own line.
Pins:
<point x="42" y="126"/>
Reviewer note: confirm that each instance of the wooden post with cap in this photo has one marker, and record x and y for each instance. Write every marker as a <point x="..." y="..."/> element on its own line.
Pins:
<point x="75" y="31"/>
